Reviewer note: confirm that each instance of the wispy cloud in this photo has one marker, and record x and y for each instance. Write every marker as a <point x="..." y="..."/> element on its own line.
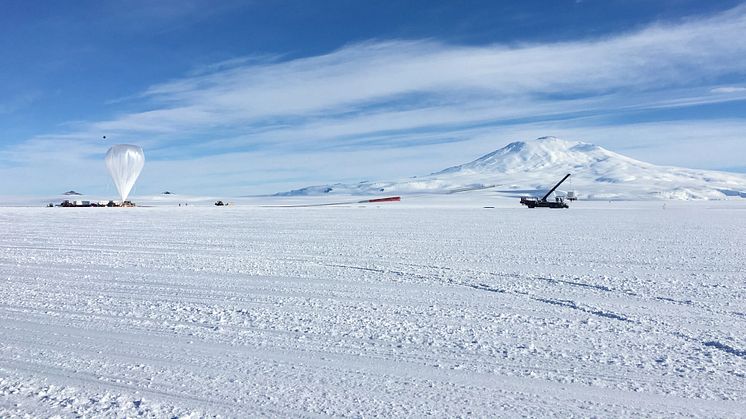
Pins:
<point x="420" y="73"/>
<point x="393" y="95"/>
<point x="729" y="89"/>
<point x="18" y="101"/>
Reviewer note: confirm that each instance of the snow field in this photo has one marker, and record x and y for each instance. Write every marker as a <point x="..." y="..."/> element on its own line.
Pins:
<point x="623" y="309"/>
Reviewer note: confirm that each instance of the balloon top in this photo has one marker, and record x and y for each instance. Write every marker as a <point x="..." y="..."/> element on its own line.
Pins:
<point x="124" y="146"/>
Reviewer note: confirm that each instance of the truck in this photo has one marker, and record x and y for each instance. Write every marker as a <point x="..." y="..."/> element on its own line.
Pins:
<point x="543" y="202"/>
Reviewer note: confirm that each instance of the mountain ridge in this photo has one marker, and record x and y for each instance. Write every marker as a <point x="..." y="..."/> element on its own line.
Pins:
<point x="535" y="165"/>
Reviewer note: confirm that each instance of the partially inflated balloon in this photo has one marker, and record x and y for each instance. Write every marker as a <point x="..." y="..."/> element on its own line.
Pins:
<point x="125" y="162"/>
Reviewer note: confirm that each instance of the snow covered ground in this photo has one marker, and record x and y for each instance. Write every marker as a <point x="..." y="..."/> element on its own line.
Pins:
<point x="418" y="308"/>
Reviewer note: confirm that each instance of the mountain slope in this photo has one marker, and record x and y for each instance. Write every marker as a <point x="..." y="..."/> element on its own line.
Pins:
<point x="532" y="166"/>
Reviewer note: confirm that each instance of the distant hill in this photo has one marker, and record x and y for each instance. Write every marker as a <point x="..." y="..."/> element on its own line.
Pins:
<point x="529" y="167"/>
<point x="72" y="193"/>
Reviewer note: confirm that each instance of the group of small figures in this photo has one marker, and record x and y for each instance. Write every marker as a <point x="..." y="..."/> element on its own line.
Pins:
<point x="87" y="204"/>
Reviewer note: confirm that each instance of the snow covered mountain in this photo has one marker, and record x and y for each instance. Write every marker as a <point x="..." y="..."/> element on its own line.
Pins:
<point x="529" y="167"/>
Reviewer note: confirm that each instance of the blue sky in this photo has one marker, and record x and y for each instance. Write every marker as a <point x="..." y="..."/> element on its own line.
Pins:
<point x="241" y="97"/>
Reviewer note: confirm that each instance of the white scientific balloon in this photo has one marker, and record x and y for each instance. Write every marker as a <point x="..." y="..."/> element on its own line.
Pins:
<point x="125" y="163"/>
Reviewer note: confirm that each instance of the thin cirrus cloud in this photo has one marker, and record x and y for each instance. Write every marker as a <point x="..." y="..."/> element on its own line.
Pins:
<point x="377" y="95"/>
<point x="406" y="75"/>
<point x="729" y="89"/>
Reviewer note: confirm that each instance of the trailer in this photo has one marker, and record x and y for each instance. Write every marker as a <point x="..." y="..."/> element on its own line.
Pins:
<point x="559" y="202"/>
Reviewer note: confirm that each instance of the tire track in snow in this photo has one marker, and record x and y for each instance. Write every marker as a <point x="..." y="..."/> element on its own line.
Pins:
<point x="611" y="315"/>
<point x="564" y="303"/>
<point x="191" y="264"/>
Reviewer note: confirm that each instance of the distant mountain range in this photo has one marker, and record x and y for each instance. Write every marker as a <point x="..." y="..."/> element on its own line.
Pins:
<point x="530" y="167"/>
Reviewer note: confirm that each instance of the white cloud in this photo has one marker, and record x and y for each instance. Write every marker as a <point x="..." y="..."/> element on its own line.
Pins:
<point x="728" y="89"/>
<point x="391" y="72"/>
<point x="387" y="96"/>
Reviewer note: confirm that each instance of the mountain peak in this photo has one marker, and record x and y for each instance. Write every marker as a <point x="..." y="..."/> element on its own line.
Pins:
<point x="554" y="143"/>
<point x="549" y="139"/>
<point x="543" y="152"/>
<point x="537" y="164"/>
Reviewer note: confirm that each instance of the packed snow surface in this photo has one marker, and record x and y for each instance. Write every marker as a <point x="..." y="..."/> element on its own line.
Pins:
<point x="532" y="167"/>
<point x="413" y="309"/>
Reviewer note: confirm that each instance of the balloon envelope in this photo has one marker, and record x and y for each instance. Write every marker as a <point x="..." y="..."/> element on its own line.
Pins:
<point x="125" y="162"/>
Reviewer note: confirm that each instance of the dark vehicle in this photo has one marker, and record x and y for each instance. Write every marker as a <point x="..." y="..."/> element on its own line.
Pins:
<point x="219" y="204"/>
<point x="559" y="202"/>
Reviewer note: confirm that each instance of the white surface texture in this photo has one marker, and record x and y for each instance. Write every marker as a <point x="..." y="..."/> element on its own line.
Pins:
<point x="605" y="309"/>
